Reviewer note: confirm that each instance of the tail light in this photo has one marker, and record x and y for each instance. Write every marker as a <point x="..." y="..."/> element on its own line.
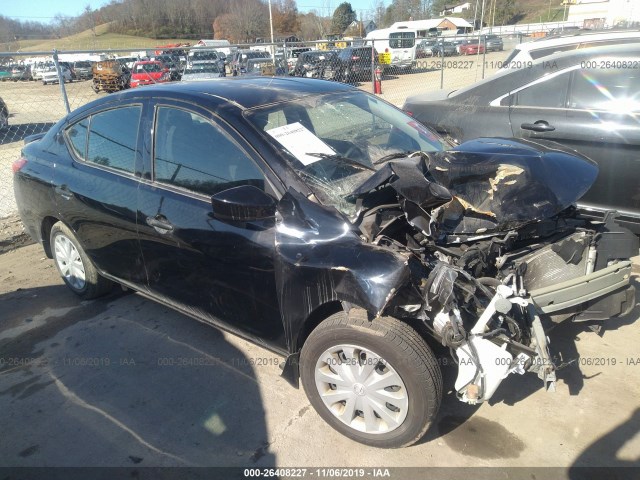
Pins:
<point x="17" y="165"/>
<point x="409" y="113"/>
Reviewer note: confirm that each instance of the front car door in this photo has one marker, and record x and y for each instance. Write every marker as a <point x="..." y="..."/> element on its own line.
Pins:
<point x="218" y="271"/>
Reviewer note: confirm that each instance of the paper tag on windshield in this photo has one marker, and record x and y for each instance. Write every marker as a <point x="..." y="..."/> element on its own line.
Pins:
<point x="300" y="141"/>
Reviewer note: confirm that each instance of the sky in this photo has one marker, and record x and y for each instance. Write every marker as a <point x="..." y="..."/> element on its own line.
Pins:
<point x="45" y="10"/>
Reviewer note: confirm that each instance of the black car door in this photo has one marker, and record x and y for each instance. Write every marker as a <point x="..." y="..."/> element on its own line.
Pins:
<point x="96" y="191"/>
<point x="220" y="271"/>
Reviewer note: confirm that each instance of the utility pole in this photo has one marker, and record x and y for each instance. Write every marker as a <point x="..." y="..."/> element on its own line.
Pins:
<point x="273" y="47"/>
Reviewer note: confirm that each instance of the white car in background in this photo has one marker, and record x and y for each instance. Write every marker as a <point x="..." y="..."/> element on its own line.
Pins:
<point x="51" y="75"/>
<point x="38" y="69"/>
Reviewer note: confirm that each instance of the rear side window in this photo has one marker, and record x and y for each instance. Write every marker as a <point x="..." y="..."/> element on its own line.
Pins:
<point x="112" y="138"/>
<point x="551" y="93"/>
<point x="610" y="90"/>
<point x="192" y="153"/>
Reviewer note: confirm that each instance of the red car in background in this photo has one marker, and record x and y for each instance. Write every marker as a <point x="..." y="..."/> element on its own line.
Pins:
<point x="472" y="48"/>
<point x="147" y="72"/>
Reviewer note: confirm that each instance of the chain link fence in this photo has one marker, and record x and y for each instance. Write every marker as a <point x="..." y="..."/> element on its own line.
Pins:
<point x="37" y="90"/>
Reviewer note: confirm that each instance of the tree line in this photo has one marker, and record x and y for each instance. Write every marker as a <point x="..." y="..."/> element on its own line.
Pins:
<point x="237" y="20"/>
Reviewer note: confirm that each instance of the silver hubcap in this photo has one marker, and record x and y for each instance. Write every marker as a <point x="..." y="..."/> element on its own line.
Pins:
<point x="69" y="261"/>
<point x="361" y="389"/>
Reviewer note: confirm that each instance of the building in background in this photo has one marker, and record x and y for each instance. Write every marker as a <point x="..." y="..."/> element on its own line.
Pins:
<point x="453" y="9"/>
<point x="603" y="13"/>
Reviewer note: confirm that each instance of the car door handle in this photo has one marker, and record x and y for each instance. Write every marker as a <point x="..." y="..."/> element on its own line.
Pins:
<point x="64" y="192"/>
<point x="539" y="126"/>
<point x="160" y="224"/>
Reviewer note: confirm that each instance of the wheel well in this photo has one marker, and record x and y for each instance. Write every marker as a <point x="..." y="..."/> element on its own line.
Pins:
<point x="45" y="231"/>
<point x="314" y="319"/>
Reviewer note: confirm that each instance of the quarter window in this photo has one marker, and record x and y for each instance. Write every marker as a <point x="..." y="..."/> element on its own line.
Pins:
<point x="192" y="153"/>
<point x="77" y="136"/>
<point x="112" y="138"/>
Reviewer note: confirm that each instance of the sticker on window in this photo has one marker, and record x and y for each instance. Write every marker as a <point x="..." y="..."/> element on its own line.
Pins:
<point x="301" y="142"/>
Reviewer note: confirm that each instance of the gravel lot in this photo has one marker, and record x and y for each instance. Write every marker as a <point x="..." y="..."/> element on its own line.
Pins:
<point x="123" y="381"/>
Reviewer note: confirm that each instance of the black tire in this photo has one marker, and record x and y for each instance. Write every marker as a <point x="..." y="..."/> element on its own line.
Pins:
<point x="402" y="349"/>
<point x="93" y="285"/>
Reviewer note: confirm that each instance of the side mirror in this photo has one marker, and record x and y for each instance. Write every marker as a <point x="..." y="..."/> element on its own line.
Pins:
<point x="243" y="204"/>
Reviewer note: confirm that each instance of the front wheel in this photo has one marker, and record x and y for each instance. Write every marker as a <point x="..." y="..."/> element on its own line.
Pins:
<point x="376" y="382"/>
<point x="75" y="268"/>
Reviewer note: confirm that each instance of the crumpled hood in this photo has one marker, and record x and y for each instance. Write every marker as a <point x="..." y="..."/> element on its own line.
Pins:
<point x="494" y="184"/>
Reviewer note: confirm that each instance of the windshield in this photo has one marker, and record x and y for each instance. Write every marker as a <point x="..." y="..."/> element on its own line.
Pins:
<point x="336" y="141"/>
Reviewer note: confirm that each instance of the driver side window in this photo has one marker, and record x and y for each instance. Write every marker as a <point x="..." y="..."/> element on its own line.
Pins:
<point x="193" y="153"/>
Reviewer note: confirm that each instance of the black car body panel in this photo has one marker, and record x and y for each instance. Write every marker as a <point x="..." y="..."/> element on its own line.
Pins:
<point x="559" y="109"/>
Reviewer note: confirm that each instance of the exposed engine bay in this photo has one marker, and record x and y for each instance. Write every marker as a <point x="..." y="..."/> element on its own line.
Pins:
<point x="483" y="246"/>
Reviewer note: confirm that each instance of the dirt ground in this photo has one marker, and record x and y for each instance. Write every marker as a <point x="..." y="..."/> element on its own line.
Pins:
<point x="122" y="381"/>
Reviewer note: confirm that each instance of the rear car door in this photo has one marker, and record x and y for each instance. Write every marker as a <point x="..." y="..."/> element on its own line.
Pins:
<point x="596" y="112"/>
<point x="219" y="271"/>
<point x="96" y="189"/>
<point x="603" y="122"/>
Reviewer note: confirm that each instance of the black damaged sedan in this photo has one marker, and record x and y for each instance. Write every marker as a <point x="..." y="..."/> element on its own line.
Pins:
<point x="328" y="226"/>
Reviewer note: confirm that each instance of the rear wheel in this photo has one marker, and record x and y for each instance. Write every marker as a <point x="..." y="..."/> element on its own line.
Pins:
<point x="75" y="268"/>
<point x="376" y="382"/>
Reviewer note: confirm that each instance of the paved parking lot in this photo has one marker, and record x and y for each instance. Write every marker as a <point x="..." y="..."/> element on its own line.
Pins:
<point x="125" y="382"/>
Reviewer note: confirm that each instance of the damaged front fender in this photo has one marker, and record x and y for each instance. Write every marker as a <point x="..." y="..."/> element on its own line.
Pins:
<point x="321" y="258"/>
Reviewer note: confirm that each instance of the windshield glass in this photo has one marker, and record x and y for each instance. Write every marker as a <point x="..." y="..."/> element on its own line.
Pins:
<point x="336" y="141"/>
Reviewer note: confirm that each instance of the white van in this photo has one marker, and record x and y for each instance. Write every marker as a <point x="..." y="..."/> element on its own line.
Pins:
<point x="525" y="53"/>
<point x="396" y="47"/>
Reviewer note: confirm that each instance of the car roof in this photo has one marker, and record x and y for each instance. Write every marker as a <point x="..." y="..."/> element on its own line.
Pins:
<point x="577" y="37"/>
<point x="245" y="92"/>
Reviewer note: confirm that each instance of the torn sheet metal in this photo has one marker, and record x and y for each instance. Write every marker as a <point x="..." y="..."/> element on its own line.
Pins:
<point x="321" y="258"/>
<point x="502" y="184"/>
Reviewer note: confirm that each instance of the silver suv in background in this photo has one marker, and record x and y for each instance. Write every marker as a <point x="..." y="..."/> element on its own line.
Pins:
<point x="83" y="70"/>
<point x="525" y="53"/>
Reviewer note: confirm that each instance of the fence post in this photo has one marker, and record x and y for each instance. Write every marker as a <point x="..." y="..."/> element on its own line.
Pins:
<point x="285" y="59"/>
<point x="373" y="66"/>
<point x="61" y="80"/>
<point x="484" y="54"/>
<point x="441" y="63"/>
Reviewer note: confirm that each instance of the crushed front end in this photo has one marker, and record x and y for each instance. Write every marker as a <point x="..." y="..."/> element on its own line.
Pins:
<point x="496" y="253"/>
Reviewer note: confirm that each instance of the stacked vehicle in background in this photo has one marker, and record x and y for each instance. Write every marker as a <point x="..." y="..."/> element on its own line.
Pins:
<point x="110" y="76"/>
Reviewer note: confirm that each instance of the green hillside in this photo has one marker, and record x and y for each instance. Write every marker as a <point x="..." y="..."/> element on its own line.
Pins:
<point x="102" y="40"/>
